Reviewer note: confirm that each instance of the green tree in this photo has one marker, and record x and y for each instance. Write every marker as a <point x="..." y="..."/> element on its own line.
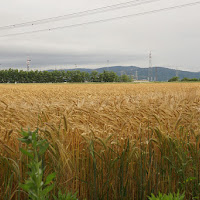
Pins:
<point x="185" y="79"/>
<point x="108" y="76"/>
<point x="94" y="76"/>
<point x="174" y="79"/>
<point x="125" y="78"/>
<point x="76" y="76"/>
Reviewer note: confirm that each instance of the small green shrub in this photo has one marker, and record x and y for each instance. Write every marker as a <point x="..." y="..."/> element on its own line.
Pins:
<point x="170" y="196"/>
<point x="65" y="196"/>
<point x="36" y="188"/>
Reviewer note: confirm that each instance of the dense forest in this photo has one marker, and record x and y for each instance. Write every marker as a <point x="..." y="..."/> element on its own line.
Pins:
<point x="16" y="76"/>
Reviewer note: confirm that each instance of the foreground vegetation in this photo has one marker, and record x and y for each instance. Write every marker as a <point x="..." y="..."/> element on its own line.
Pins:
<point x="117" y="141"/>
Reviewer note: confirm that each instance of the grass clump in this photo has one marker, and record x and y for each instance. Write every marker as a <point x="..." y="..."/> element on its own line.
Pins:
<point x="65" y="196"/>
<point x="170" y="196"/>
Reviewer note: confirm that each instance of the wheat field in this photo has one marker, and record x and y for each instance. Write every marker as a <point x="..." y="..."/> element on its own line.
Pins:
<point x="107" y="141"/>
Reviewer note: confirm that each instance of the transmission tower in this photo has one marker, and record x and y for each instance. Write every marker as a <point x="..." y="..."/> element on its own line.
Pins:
<point x="136" y="75"/>
<point x="176" y="71"/>
<point x="150" y="67"/>
<point x="132" y="74"/>
<point x="156" y="74"/>
<point x="28" y="63"/>
<point x="108" y="63"/>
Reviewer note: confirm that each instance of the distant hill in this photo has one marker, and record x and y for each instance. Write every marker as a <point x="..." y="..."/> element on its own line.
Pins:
<point x="163" y="74"/>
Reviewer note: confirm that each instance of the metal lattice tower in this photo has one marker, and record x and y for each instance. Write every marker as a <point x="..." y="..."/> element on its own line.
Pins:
<point x="176" y="71"/>
<point x="108" y="63"/>
<point x="156" y="74"/>
<point x="150" y="68"/>
<point x="131" y="74"/>
<point x="28" y="63"/>
<point x="136" y="75"/>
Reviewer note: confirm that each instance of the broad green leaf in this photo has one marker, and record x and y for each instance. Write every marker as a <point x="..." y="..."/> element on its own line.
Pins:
<point x="24" y="187"/>
<point x="47" y="189"/>
<point x="49" y="178"/>
<point x="26" y="153"/>
<point x="25" y="134"/>
<point x="43" y="149"/>
<point x="23" y="140"/>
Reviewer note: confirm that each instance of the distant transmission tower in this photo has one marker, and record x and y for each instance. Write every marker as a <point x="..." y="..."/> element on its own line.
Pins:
<point x="108" y="61"/>
<point x="136" y="75"/>
<point x="176" y="71"/>
<point x="131" y="75"/>
<point x="28" y="63"/>
<point x="150" y="67"/>
<point x="156" y="74"/>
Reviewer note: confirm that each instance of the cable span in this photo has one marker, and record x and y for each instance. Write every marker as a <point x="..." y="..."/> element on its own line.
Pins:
<point x="106" y="20"/>
<point x="79" y="14"/>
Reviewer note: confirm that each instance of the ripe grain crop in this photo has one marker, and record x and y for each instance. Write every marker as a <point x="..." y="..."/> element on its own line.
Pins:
<point x="107" y="141"/>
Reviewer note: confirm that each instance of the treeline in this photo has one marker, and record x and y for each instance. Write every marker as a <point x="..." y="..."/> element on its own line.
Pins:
<point x="20" y="76"/>
<point x="175" y="79"/>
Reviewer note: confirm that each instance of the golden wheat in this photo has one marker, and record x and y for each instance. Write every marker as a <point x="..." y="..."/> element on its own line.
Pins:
<point x="87" y="120"/>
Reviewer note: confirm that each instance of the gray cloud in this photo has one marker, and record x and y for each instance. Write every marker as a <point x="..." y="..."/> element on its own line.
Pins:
<point x="173" y="37"/>
<point x="42" y="59"/>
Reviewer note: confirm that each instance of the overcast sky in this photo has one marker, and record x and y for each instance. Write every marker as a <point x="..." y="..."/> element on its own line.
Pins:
<point x="172" y="36"/>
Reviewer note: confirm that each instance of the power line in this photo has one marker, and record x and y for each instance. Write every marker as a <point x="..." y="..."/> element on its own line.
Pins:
<point x="106" y="20"/>
<point x="79" y="14"/>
